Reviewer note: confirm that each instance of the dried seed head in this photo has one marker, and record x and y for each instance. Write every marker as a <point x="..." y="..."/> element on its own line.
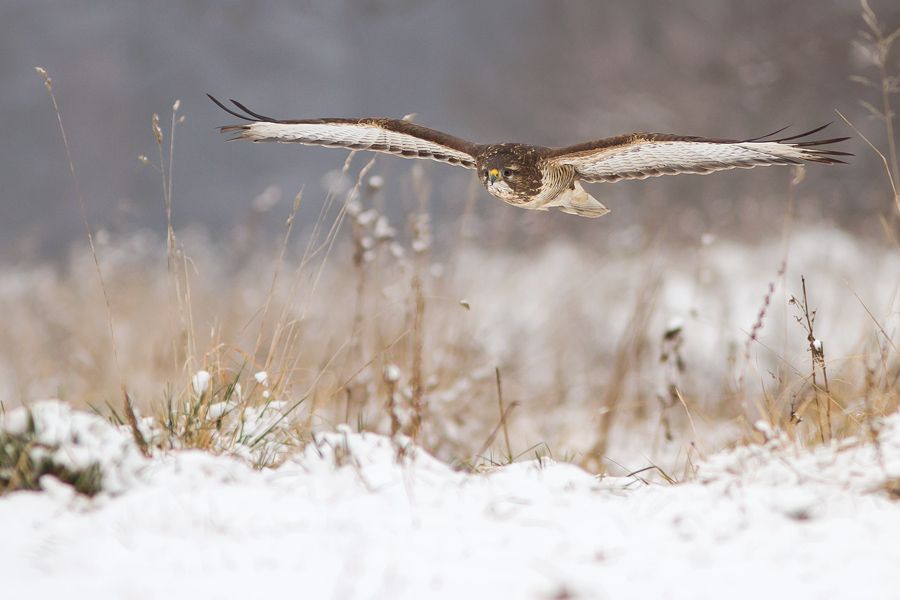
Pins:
<point x="397" y="250"/>
<point x="144" y="160"/>
<point x="48" y="83"/>
<point x="367" y="218"/>
<point x="176" y="106"/>
<point x="383" y="230"/>
<point x="157" y="131"/>
<point x="391" y="373"/>
<point x="353" y="208"/>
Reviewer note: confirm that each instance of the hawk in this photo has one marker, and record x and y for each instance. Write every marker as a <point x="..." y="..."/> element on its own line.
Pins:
<point x="537" y="177"/>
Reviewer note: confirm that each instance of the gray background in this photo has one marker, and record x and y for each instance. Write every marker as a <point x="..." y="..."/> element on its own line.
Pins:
<point x="551" y="73"/>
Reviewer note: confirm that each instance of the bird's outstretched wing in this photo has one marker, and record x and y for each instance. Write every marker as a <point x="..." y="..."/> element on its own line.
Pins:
<point x="642" y="155"/>
<point x="392" y="136"/>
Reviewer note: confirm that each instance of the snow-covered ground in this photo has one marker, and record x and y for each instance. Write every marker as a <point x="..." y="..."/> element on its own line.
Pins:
<point x="346" y="518"/>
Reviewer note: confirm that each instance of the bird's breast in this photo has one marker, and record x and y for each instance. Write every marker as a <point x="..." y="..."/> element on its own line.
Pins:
<point x="502" y="191"/>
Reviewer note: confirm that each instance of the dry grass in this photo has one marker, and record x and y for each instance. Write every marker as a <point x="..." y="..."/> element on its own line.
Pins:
<point x="579" y="336"/>
<point x="373" y="328"/>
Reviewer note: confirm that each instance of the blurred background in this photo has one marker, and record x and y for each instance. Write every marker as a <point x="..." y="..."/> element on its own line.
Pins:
<point x="551" y="73"/>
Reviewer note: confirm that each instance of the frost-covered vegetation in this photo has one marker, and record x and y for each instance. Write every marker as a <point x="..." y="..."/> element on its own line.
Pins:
<point x="658" y="354"/>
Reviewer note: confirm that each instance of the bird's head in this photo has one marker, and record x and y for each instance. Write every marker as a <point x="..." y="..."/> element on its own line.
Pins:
<point x="509" y="173"/>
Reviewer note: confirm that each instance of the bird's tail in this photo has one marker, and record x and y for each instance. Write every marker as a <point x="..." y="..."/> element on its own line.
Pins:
<point x="576" y="201"/>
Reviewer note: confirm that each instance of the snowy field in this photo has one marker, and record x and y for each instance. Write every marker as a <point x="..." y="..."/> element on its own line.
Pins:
<point x="359" y="516"/>
<point x="565" y="324"/>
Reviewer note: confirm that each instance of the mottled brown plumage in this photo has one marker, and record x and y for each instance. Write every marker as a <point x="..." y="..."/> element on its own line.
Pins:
<point x="537" y="177"/>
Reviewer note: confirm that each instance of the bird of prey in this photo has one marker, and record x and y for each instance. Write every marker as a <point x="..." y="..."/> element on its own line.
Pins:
<point x="538" y="177"/>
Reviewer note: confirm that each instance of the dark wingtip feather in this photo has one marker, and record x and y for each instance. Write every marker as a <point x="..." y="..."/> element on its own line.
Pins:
<point x="228" y="110"/>
<point x="812" y="150"/>
<point x="763" y="137"/>
<point x="827" y="160"/>
<point x="833" y="153"/>
<point x="258" y="116"/>
<point x="804" y="134"/>
<point x="821" y="142"/>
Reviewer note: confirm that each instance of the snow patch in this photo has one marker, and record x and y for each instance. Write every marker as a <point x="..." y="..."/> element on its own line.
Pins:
<point x="363" y="515"/>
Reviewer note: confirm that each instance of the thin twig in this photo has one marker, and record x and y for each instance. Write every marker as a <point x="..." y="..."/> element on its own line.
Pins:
<point x="493" y="435"/>
<point x="887" y="166"/>
<point x="509" y="453"/>
<point x="82" y="210"/>
<point x="139" y="439"/>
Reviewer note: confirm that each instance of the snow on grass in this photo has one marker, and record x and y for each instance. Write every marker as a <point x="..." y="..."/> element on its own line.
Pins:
<point x="200" y="382"/>
<point x="361" y="516"/>
<point x="51" y="438"/>
<point x="261" y="378"/>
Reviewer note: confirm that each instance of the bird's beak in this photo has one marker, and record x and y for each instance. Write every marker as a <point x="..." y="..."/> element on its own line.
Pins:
<point x="494" y="175"/>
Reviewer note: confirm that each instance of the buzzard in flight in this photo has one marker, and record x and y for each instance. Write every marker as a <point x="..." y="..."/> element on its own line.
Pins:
<point x="537" y="177"/>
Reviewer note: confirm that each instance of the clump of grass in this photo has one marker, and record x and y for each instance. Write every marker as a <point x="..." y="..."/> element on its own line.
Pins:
<point x="230" y="413"/>
<point x="24" y="460"/>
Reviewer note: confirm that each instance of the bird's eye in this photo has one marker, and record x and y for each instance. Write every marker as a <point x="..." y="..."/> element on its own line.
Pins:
<point x="507" y="173"/>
